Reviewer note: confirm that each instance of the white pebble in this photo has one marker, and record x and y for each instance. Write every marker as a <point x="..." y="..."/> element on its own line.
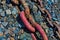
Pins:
<point x="8" y="11"/>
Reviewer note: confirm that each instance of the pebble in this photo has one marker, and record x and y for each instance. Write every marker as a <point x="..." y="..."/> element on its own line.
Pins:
<point x="15" y="1"/>
<point x="51" y="33"/>
<point x="39" y="13"/>
<point x="11" y="38"/>
<point x="2" y="19"/>
<point x="0" y="22"/>
<point x="8" y="38"/>
<point x="25" y="38"/>
<point x="1" y="34"/>
<point x="51" y="29"/>
<point x="49" y="2"/>
<point x="0" y="0"/>
<point x="5" y="7"/>
<point x="3" y="2"/>
<point x="55" y="1"/>
<point x="2" y="38"/>
<point x="7" y="35"/>
<point x="1" y="29"/>
<point x="1" y="10"/>
<point x="8" y="1"/>
<point x="14" y="11"/>
<point x="4" y="23"/>
<point x="8" y="11"/>
<point x="3" y="13"/>
<point x="21" y="7"/>
<point x="21" y="31"/>
<point x="58" y="17"/>
<point x="35" y="8"/>
<point x="38" y="17"/>
<point x="54" y="19"/>
<point x="16" y="31"/>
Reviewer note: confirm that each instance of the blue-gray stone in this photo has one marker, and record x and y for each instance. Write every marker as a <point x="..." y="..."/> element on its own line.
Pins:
<point x="2" y="38"/>
<point x="51" y="29"/>
<point x="0" y="22"/>
<point x="54" y="19"/>
<point x="3" y="13"/>
<point x="58" y="15"/>
<point x="1" y="10"/>
<point x="21" y="8"/>
<point x="49" y="2"/>
<point x="5" y="7"/>
<point x="51" y="33"/>
<point x="4" y="23"/>
<point x="14" y="11"/>
<point x="8" y="1"/>
<point x="16" y="30"/>
<point x="0" y="0"/>
<point x="39" y="13"/>
<point x="1" y="30"/>
<point x="47" y="7"/>
<point x="2" y="19"/>
<point x="55" y="1"/>
<point x="7" y="35"/>
<point x="19" y="25"/>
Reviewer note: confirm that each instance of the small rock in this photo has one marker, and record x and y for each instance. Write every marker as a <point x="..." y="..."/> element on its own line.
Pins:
<point x="35" y="8"/>
<point x="7" y="35"/>
<point x="1" y="10"/>
<point x="8" y="11"/>
<point x="15" y="1"/>
<point x="21" y="8"/>
<point x="16" y="30"/>
<point x="1" y="26"/>
<point x="10" y="5"/>
<point x="39" y="13"/>
<point x="11" y="38"/>
<point x="3" y="2"/>
<point x="3" y="13"/>
<point x="25" y="38"/>
<point x="54" y="19"/>
<point x="51" y="29"/>
<point x="56" y="1"/>
<point x="0" y="22"/>
<point x="1" y="34"/>
<point x="8" y="1"/>
<point x="19" y="25"/>
<point x="15" y="16"/>
<point x="51" y="33"/>
<point x="1" y="29"/>
<point x="6" y="31"/>
<point x="5" y="7"/>
<point x="14" y="11"/>
<point x="2" y="19"/>
<point x="22" y="31"/>
<point x="0" y="0"/>
<point x="2" y="38"/>
<point x="8" y="38"/>
<point x="4" y="23"/>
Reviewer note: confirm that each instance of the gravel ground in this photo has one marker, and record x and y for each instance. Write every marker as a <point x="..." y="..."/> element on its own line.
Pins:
<point x="12" y="27"/>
